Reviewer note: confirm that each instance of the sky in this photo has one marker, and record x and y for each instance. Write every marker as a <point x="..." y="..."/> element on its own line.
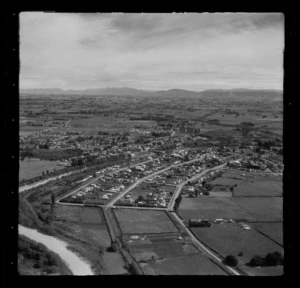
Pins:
<point x="192" y="51"/>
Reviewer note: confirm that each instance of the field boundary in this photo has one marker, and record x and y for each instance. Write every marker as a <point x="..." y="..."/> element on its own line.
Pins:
<point x="117" y="222"/>
<point x="281" y="245"/>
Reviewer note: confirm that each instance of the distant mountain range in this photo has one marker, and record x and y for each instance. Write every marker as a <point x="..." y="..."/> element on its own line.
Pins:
<point x="97" y="91"/>
<point x="125" y="91"/>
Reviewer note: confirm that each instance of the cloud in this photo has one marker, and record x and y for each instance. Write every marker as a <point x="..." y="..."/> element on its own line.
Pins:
<point x="137" y="23"/>
<point x="150" y="51"/>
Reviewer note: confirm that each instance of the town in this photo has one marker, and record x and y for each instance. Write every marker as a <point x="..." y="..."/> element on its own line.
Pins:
<point x="123" y="185"/>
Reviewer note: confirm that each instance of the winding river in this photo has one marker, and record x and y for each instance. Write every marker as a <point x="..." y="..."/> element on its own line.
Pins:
<point x="77" y="265"/>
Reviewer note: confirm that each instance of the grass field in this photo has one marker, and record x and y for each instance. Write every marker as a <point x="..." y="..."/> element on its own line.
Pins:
<point x="32" y="129"/>
<point x="144" y="221"/>
<point x="85" y="223"/>
<point x="91" y="215"/>
<point x="226" y="181"/>
<point x="30" y="168"/>
<point x="272" y="230"/>
<point x="99" y="123"/>
<point x="231" y="239"/>
<point x="263" y="271"/>
<point x="130" y="215"/>
<point x="250" y="184"/>
<point x="184" y="265"/>
<point x="164" y="250"/>
<point x="68" y="213"/>
<point x="147" y="227"/>
<point x="258" y="188"/>
<point x="159" y="247"/>
<point x="261" y="208"/>
<point x="212" y="208"/>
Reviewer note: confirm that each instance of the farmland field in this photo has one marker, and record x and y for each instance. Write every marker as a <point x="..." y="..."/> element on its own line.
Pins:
<point x="147" y="227"/>
<point x="226" y="181"/>
<point x="184" y="265"/>
<point x="261" y="208"/>
<point x="108" y="124"/>
<point x="87" y="222"/>
<point x="130" y="215"/>
<point x="258" y="188"/>
<point x="91" y="215"/>
<point x="263" y="271"/>
<point x="68" y="213"/>
<point x="272" y="230"/>
<point x="212" y="208"/>
<point x="144" y="221"/>
<point x="30" y="168"/>
<point x="231" y="239"/>
<point x="250" y="184"/>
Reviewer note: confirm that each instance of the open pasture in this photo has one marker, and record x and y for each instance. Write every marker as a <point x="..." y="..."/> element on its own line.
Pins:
<point x="261" y="208"/>
<point x="92" y="215"/>
<point x="231" y="239"/>
<point x="144" y="221"/>
<point x="256" y="188"/>
<point x="140" y="215"/>
<point x="273" y="230"/>
<point x="184" y="265"/>
<point x="99" y="123"/>
<point x="212" y="208"/>
<point x="30" y="168"/>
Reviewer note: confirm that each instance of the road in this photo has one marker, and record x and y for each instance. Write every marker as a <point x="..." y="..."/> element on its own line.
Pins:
<point x="201" y="246"/>
<point x="181" y="185"/>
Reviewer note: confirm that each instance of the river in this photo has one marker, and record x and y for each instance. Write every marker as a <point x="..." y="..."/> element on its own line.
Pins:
<point x="77" y="265"/>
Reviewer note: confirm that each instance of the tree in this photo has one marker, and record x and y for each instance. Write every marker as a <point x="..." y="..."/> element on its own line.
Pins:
<point x="231" y="260"/>
<point x="141" y="198"/>
<point x="257" y="150"/>
<point x="256" y="261"/>
<point x="52" y="198"/>
<point x="273" y="259"/>
<point x="112" y="248"/>
<point x="132" y="269"/>
<point x="80" y="162"/>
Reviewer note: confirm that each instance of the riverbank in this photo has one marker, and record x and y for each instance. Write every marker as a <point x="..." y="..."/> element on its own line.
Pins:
<point x="77" y="265"/>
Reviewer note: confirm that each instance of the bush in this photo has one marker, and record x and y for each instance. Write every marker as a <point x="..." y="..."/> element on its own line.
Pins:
<point x="100" y="250"/>
<point x="231" y="260"/>
<point x="273" y="259"/>
<point x="132" y="269"/>
<point x="257" y="261"/>
<point x="112" y="248"/>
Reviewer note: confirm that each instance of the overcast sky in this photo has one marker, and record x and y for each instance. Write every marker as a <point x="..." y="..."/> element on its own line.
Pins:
<point x="151" y="51"/>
